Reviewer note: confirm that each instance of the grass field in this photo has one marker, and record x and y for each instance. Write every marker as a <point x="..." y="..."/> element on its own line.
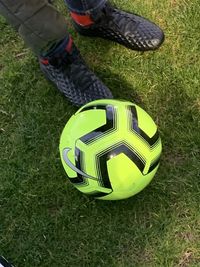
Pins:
<point x="44" y="221"/>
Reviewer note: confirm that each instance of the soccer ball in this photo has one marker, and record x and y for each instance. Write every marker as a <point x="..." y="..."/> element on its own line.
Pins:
<point x="110" y="149"/>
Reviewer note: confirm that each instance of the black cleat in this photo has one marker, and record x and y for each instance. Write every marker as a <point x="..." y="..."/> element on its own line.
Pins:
<point x="130" y="30"/>
<point x="73" y="78"/>
<point x="4" y="262"/>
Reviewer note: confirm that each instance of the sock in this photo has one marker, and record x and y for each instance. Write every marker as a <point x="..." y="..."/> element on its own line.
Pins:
<point x="57" y="50"/>
<point x="83" y="20"/>
<point x="59" y="47"/>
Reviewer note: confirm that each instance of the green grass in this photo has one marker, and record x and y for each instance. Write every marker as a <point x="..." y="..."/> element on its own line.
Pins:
<point x="44" y="221"/>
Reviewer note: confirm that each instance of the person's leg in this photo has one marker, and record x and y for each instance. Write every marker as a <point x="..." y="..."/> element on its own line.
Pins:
<point x="39" y="23"/>
<point x="44" y="30"/>
<point x="100" y="18"/>
<point x="83" y="7"/>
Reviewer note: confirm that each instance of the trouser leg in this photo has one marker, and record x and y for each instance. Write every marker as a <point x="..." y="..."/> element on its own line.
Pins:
<point x="38" y="22"/>
<point x="85" y="6"/>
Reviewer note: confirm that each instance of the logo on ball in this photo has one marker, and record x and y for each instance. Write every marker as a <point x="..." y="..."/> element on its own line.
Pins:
<point x="72" y="166"/>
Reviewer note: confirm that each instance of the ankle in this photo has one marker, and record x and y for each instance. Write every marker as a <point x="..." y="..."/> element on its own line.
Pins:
<point x="82" y="20"/>
<point x="58" y="52"/>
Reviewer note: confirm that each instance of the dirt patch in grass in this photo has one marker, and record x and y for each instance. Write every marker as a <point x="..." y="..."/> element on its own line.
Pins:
<point x="175" y="158"/>
<point x="185" y="259"/>
<point x="189" y="258"/>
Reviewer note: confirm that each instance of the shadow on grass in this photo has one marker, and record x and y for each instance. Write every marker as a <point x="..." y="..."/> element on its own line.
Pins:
<point x="128" y="232"/>
<point x="53" y="220"/>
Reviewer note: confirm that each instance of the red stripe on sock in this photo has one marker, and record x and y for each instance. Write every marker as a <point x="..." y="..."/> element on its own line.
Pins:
<point x="69" y="45"/>
<point x="83" y="20"/>
<point x="44" y="61"/>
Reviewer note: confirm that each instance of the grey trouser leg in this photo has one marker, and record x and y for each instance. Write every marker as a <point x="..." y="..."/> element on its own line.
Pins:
<point x="37" y="21"/>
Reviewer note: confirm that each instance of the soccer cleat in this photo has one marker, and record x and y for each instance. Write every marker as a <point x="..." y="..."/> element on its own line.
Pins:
<point x="130" y="30"/>
<point x="72" y="77"/>
<point x="4" y="262"/>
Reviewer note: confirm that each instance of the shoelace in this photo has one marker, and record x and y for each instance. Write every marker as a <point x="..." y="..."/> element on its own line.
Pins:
<point x="66" y="58"/>
<point x="107" y="16"/>
<point x="74" y="67"/>
<point x="81" y="76"/>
